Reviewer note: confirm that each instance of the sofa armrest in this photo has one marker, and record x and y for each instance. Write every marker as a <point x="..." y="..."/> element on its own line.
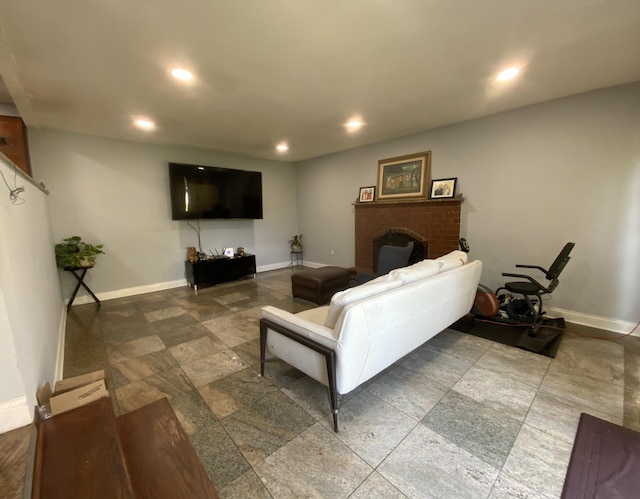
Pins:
<point x="301" y="326"/>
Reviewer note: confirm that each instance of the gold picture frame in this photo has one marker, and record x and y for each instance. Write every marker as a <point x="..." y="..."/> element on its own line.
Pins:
<point x="404" y="177"/>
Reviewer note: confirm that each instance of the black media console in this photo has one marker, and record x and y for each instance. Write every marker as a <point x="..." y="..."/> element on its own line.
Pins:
<point x="219" y="270"/>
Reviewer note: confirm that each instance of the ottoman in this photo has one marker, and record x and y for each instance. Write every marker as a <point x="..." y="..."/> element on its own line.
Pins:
<point x="319" y="285"/>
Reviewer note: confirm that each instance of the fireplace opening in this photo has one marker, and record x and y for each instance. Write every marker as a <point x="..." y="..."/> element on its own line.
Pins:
<point x="399" y="237"/>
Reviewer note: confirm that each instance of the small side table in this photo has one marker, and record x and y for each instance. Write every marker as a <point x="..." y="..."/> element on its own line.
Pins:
<point x="80" y="279"/>
<point x="297" y="259"/>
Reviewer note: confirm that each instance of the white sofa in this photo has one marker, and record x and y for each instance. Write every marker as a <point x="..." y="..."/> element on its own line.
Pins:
<point x="367" y="328"/>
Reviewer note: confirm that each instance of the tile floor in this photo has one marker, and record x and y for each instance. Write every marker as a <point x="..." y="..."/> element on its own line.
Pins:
<point x="459" y="417"/>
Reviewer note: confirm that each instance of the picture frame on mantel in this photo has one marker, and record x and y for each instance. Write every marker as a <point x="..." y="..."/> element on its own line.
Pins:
<point x="404" y="177"/>
<point x="367" y="194"/>
<point x="443" y="188"/>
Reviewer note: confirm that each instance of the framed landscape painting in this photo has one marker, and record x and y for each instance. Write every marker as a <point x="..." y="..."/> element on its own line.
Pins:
<point x="404" y="177"/>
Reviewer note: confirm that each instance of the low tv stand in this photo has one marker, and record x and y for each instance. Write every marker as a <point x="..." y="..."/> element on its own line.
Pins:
<point x="219" y="270"/>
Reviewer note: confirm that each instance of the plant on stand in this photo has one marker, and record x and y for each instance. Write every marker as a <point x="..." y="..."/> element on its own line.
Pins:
<point x="72" y="252"/>
<point x="296" y="243"/>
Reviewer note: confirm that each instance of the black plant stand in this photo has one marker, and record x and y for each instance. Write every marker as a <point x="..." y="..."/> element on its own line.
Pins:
<point x="80" y="278"/>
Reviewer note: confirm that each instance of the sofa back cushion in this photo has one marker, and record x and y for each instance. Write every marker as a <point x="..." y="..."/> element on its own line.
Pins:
<point x="420" y="270"/>
<point x="452" y="260"/>
<point x="371" y="288"/>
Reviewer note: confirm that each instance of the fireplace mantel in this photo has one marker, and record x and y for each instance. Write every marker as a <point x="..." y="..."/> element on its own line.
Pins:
<point x="436" y="220"/>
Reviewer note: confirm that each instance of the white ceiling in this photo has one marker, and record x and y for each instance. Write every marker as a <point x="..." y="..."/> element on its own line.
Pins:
<point x="296" y="70"/>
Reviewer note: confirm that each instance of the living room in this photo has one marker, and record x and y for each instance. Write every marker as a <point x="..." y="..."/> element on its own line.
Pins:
<point x="532" y="179"/>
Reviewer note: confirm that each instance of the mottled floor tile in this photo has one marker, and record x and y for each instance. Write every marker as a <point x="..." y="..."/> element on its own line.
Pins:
<point x="444" y="369"/>
<point x="166" y="313"/>
<point x="231" y="298"/>
<point x="598" y="359"/>
<point x="314" y="464"/>
<point x="539" y="461"/>
<point x="526" y="367"/>
<point x="376" y="487"/>
<point x="476" y="427"/>
<point x="235" y="391"/>
<point x="499" y="392"/>
<point x="213" y="367"/>
<point x="407" y="391"/>
<point x="459" y="344"/>
<point x="247" y="485"/>
<point x="559" y="416"/>
<point x="192" y="412"/>
<point x="311" y="395"/>
<point x="219" y="456"/>
<point x="167" y="384"/>
<point x="426" y="464"/>
<point x="13" y="461"/>
<point x="144" y="366"/>
<point x="250" y="352"/>
<point x="237" y="335"/>
<point x="135" y="348"/>
<point x="196" y="349"/>
<point x="510" y="488"/>
<point x="370" y="427"/>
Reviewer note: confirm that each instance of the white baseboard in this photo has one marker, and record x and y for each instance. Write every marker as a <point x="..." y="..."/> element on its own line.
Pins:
<point x="14" y="414"/>
<point x="605" y="323"/>
<point x="137" y="290"/>
<point x="273" y="266"/>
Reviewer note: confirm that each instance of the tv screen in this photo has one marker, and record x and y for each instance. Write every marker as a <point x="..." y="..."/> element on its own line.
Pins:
<point x="212" y="192"/>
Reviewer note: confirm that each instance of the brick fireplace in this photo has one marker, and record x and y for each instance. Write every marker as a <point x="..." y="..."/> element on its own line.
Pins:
<point x="437" y="222"/>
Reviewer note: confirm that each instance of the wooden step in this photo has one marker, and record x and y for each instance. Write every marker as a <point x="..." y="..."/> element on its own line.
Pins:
<point x="159" y="456"/>
<point x="78" y="454"/>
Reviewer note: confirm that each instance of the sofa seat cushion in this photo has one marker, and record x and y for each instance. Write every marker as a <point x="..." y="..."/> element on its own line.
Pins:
<point x="319" y="285"/>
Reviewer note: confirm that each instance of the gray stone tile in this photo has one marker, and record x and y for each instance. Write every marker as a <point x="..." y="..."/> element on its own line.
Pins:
<point x="407" y="391"/>
<point x="559" y="416"/>
<point x="213" y="367"/>
<point x="192" y="412"/>
<point x="444" y="369"/>
<point x="238" y="334"/>
<point x="370" y="427"/>
<point x="476" y="427"/>
<point x="165" y="313"/>
<point x="586" y="357"/>
<point x="459" y="344"/>
<point x="167" y="384"/>
<point x="196" y="349"/>
<point x="235" y="391"/>
<point x="246" y="485"/>
<point x="376" y="487"/>
<point x="311" y="395"/>
<point x="499" y="392"/>
<point x="538" y="461"/>
<point x="526" y="367"/>
<point x="509" y="488"/>
<point x="231" y="298"/>
<point x="426" y="464"/>
<point x="314" y="464"/>
<point x="144" y="365"/>
<point x="134" y="348"/>
<point x="219" y="456"/>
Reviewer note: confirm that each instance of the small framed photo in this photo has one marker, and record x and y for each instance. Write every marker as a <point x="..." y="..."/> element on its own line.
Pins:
<point x="404" y="177"/>
<point x="228" y="252"/>
<point x="367" y="194"/>
<point x="443" y="188"/>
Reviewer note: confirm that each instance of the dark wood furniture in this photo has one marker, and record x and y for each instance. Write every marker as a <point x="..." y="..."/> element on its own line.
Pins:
<point x="219" y="270"/>
<point x="13" y="142"/>
<point x="80" y="279"/>
<point x="319" y="285"/>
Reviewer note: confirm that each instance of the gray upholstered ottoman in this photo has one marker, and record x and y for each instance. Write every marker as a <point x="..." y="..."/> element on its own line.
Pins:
<point x="319" y="285"/>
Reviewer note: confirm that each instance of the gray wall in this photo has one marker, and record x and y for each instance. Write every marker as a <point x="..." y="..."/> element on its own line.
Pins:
<point x="117" y="193"/>
<point x="533" y="179"/>
<point x="30" y="299"/>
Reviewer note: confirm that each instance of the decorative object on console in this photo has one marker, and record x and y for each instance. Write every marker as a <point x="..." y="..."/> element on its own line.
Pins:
<point x="228" y="252"/>
<point x="240" y="251"/>
<point x="192" y="254"/>
<point x="296" y="243"/>
<point x="72" y="252"/>
<point x="404" y="177"/>
<point x="367" y="194"/>
<point x="443" y="188"/>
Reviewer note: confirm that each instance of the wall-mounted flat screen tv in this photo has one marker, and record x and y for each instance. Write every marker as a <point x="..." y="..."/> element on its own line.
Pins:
<point x="212" y="192"/>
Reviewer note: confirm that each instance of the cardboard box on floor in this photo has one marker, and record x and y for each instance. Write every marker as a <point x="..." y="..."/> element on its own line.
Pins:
<point x="73" y="392"/>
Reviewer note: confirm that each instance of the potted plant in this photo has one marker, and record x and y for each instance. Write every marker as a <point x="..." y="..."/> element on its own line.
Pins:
<point x="296" y="243"/>
<point x="73" y="252"/>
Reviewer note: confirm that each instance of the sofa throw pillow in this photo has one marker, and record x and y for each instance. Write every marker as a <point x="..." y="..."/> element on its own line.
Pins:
<point x="417" y="271"/>
<point x="452" y="260"/>
<point x="371" y="288"/>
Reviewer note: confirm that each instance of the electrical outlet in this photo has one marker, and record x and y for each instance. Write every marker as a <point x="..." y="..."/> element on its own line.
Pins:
<point x="333" y="252"/>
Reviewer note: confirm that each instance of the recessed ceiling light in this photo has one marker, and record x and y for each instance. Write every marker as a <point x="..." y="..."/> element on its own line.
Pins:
<point x="508" y="74"/>
<point x="182" y="74"/>
<point x="354" y="124"/>
<point x="144" y="124"/>
<point x="282" y="147"/>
